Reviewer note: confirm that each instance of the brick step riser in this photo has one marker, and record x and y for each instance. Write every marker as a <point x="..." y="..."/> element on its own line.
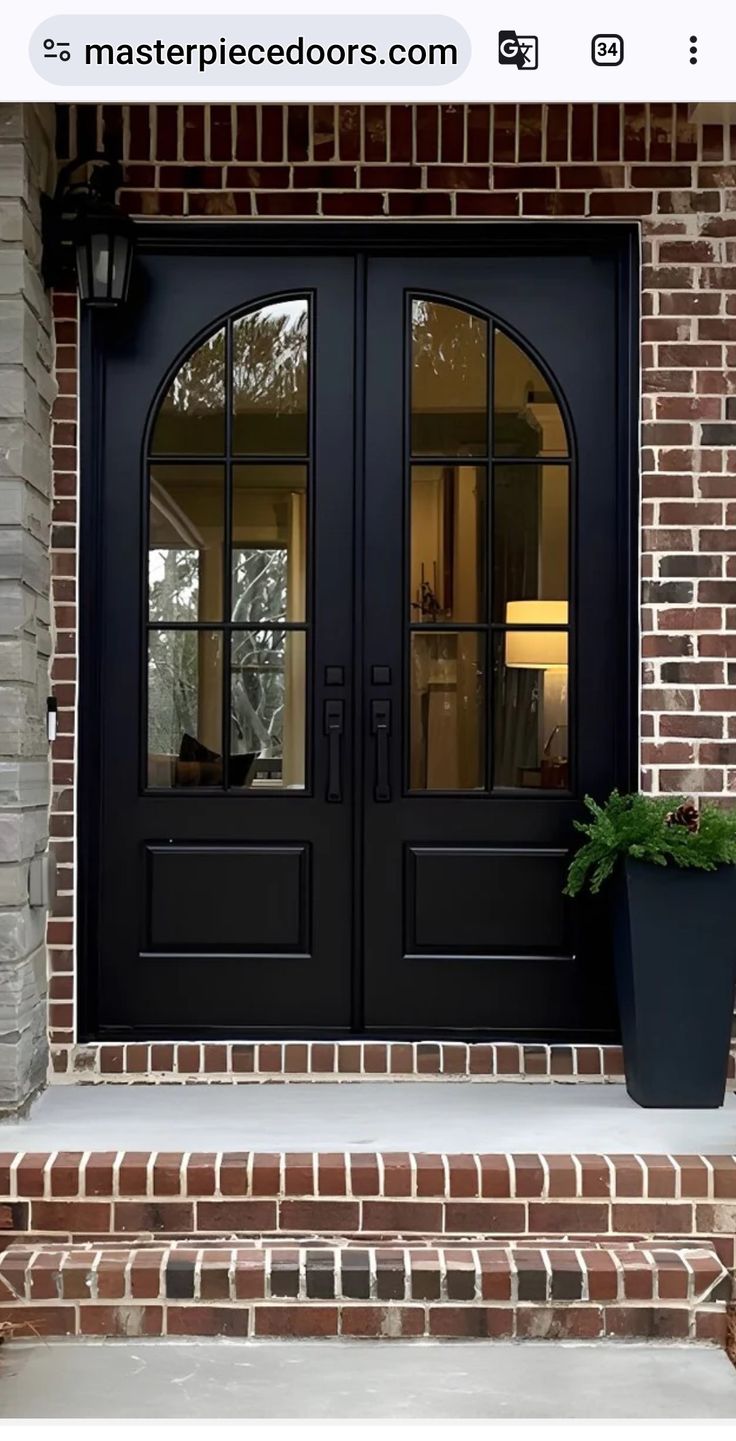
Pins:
<point x="238" y="1062"/>
<point x="373" y="1321"/>
<point x="517" y="1292"/>
<point x="68" y="1195"/>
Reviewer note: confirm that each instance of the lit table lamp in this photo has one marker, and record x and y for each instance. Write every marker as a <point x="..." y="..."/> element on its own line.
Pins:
<point x="545" y="651"/>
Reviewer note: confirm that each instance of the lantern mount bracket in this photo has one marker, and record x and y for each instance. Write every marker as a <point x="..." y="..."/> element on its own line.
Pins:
<point x="62" y="212"/>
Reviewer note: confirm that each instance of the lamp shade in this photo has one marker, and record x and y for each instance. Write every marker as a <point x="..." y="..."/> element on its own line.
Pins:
<point x="536" y="649"/>
<point x="104" y="240"/>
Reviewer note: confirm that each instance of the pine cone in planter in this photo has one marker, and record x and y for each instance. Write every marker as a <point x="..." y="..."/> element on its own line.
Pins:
<point x="685" y="815"/>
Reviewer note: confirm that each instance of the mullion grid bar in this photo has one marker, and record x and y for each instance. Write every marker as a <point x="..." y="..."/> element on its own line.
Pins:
<point x="227" y="598"/>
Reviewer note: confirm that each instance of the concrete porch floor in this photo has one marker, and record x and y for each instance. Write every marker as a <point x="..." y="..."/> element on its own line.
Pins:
<point x="308" y="1380"/>
<point x="377" y="1117"/>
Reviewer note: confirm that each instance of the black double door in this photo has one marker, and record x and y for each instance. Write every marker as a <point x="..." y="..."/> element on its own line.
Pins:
<point x="354" y="640"/>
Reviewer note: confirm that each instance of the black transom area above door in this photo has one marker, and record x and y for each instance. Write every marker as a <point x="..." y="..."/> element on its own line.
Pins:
<point x="355" y="652"/>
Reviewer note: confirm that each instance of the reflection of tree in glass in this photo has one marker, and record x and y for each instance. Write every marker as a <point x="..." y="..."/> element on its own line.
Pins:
<point x="172" y="689"/>
<point x="173" y="583"/>
<point x="270" y="359"/>
<point x="257" y="702"/>
<point x="448" y="341"/>
<point x="269" y="379"/>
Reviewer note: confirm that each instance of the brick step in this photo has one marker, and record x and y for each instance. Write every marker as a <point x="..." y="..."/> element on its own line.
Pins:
<point x="237" y="1062"/>
<point x="533" y="1290"/>
<point x="73" y="1196"/>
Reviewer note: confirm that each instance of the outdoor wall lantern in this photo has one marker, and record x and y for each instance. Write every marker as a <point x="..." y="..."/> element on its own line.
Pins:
<point x="83" y="226"/>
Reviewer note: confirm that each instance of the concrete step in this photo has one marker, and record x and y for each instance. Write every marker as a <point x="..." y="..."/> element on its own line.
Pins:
<point x="312" y="1380"/>
<point x="533" y="1289"/>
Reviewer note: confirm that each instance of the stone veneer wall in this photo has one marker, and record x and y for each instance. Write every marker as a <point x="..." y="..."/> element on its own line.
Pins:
<point x="26" y="394"/>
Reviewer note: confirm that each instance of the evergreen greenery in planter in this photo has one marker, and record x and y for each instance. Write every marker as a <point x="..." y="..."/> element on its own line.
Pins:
<point x="674" y="938"/>
<point x="647" y="828"/>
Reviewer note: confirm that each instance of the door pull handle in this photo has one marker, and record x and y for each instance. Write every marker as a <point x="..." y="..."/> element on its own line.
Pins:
<point x="334" y="727"/>
<point x="381" y="729"/>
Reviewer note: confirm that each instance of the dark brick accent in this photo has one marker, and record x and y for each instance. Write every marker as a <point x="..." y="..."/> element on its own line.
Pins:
<point x="179" y="1280"/>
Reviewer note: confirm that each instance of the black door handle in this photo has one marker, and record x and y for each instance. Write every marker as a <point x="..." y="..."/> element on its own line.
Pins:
<point x="334" y="727"/>
<point x="381" y="729"/>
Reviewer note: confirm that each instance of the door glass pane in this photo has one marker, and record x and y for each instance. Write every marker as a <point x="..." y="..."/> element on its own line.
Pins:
<point x="191" y="419"/>
<point x="269" y="543"/>
<point x="270" y="388"/>
<point x="447" y="742"/>
<point x="268" y="709"/>
<point x="530" y="534"/>
<point x="448" y="506"/>
<point x="527" y="419"/>
<point x="184" y="708"/>
<point x="530" y="722"/>
<point x="449" y="381"/>
<point x="185" y="542"/>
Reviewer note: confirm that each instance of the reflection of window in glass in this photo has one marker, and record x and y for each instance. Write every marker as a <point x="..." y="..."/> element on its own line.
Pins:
<point x="270" y="380"/>
<point x="185" y="538"/>
<point x="447" y="746"/>
<point x="270" y="515"/>
<point x="449" y="385"/>
<point x="184" y="708"/>
<point x="530" y="534"/>
<point x="527" y="419"/>
<point x="191" y="419"/>
<point x="531" y="700"/>
<point x="448" y="543"/>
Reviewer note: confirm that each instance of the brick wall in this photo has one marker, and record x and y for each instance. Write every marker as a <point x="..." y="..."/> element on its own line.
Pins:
<point x="649" y="163"/>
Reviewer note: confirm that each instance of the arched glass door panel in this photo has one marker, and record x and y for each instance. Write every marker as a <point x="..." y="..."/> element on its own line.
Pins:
<point x="488" y="606"/>
<point x="228" y="477"/>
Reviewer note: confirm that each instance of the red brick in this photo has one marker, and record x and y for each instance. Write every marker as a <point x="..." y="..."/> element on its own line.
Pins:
<point x="98" y="1173"/>
<point x="299" y="1174"/>
<point x="29" y="1322"/>
<point x="207" y="1321"/>
<point x="420" y="1216"/>
<point x="70" y="1216"/>
<point x="154" y="1216"/>
<point x="319" y="1215"/>
<point x="470" y="1321"/>
<point x="464" y="1176"/>
<point x="280" y="1320"/>
<point x="30" y="1173"/>
<point x="574" y="1217"/>
<point x="485" y="1217"/>
<point x="397" y="1174"/>
<point x="659" y="1323"/>
<point x="364" y="1174"/>
<point x="227" y="1216"/>
<point x="332" y="1180"/>
<point x="200" y="1175"/>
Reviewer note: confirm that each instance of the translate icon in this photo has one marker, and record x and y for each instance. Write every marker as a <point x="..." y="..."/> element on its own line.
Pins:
<point x="519" y="50"/>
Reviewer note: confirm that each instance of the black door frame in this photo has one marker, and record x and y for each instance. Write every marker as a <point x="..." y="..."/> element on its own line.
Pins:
<point x="619" y="241"/>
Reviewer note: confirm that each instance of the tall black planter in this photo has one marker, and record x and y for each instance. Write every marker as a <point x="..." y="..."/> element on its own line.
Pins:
<point x="675" y="956"/>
